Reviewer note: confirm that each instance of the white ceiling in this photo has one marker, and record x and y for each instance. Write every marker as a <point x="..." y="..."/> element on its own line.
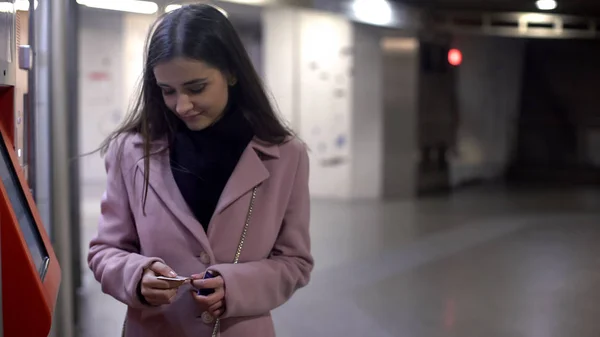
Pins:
<point x="580" y="7"/>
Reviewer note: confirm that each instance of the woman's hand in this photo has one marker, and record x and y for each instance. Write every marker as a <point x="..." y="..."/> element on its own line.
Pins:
<point x="158" y="292"/>
<point x="214" y="303"/>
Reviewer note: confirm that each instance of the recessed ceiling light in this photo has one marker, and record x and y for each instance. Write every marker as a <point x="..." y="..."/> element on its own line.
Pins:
<point x="546" y="5"/>
<point x="133" y="6"/>
<point x="377" y="12"/>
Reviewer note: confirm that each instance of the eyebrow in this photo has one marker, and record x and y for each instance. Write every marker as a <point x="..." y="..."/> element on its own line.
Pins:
<point x="196" y="81"/>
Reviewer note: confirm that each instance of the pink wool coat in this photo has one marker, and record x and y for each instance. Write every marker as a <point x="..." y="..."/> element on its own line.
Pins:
<point x="275" y="261"/>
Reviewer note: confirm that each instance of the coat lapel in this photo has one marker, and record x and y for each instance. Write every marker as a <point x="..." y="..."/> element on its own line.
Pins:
<point x="248" y="173"/>
<point x="163" y="183"/>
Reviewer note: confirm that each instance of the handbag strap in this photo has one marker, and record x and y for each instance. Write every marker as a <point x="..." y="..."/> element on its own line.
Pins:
<point x="238" y="252"/>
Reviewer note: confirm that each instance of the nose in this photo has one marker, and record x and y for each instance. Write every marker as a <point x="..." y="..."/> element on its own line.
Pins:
<point x="184" y="105"/>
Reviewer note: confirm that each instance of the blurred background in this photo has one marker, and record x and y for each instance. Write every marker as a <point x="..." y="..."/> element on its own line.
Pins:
<point x="455" y="155"/>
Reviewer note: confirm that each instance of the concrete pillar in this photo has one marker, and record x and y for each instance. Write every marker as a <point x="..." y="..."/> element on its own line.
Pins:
<point x="400" y="110"/>
<point x="64" y="222"/>
<point x="280" y="55"/>
<point x="41" y="109"/>
<point x="367" y="114"/>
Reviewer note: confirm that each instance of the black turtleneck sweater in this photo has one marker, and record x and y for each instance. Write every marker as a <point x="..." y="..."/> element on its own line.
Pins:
<point x="202" y="161"/>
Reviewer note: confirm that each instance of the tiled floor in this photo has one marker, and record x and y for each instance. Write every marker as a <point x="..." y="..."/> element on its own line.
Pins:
<point x="484" y="262"/>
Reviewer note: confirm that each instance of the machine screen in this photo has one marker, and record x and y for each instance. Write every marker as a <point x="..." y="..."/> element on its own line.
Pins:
<point x="20" y="206"/>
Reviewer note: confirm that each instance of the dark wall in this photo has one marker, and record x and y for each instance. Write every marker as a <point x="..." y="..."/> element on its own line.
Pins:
<point x="559" y="110"/>
<point x="437" y="115"/>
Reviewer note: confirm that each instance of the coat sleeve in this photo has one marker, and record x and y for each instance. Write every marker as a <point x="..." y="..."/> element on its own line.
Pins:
<point x="114" y="254"/>
<point x="255" y="288"/>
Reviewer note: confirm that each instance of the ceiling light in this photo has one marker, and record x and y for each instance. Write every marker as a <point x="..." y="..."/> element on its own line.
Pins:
<point x="546" y="5"/>
<point x="399" y="44"/>
<point x="537" y="18"/>
<point x="173" y="7"/>
<point x="23" y="5"/>
<point x="6" y="7"/>
<point x="133" y="6"/>
<point x="19" y="5"/>
<point x="377" y="12"/>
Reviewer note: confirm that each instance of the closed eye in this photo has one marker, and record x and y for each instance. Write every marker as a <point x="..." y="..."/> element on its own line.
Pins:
<point x="197" y="89"/>
<point x="194" y="90"/>
<point x="193" y="87"/>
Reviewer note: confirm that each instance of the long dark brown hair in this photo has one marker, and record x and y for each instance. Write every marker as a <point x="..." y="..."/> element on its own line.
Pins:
<point x="199" y="32"/>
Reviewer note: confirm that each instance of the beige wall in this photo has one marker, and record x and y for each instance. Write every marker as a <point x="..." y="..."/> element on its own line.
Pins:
<point x="22" y="82"/>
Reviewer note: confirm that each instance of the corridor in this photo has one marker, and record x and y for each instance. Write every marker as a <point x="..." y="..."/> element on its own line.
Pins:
<point x="492" y="262"/>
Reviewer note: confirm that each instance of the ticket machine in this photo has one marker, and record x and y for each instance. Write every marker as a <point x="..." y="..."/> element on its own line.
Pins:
<point x="30" y="272"/>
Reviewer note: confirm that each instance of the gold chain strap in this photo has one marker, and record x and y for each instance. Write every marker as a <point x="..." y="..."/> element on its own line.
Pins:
<point x="236" y="259"/>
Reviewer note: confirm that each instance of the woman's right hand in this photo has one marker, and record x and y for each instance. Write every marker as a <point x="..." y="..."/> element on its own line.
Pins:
<point x="158" y="292"/>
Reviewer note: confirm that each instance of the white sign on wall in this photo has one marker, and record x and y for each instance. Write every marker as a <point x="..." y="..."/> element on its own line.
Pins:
<point x="325" y="100"/>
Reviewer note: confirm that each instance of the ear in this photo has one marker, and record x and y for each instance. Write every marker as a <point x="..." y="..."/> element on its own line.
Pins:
<point x="232" y="80"/>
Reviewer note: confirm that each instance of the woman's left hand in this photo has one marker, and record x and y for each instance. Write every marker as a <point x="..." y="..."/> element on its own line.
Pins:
<point x="214" y="303"/>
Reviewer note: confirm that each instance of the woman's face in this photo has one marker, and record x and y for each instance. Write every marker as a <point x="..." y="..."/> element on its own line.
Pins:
<point x="196" y="92"/>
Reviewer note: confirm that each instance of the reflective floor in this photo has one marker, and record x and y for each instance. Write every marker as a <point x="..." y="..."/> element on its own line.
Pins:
<point x="486" y="262"/>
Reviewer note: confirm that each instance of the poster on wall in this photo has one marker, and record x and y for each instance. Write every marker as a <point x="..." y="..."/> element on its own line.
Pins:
<point x="99" y="83"/>
<point x="100" y="95"/>
<point x="330" y="128"/>
<point x="326" y="86"/>
<point x="325" y="100"/>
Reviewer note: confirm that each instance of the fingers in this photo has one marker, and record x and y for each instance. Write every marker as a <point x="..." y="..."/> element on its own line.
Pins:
<point x="216" y="310"/>
<point x="215" y="302"/>
<point x="211" y="283"/>
<point x="217" y="313"/>
<point x="155" y="291"/>
<point x="159" y="297"/>
<point x="206" y="302"/>
<point x="149" y="280"/>
<point x="162" y="269"/>
<point x="198" y="276"/>
<point x="215" y="307"/>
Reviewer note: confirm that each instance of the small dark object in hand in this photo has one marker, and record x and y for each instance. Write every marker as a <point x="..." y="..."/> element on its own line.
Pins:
<point x="206" y="292"/>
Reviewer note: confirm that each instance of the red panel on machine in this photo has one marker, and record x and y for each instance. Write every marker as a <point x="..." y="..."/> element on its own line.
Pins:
<point x="7" y="112"/>
<point x="30" y="270"/>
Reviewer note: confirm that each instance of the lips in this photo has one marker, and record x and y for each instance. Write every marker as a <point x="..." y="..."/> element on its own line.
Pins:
<point x="192" y="116"/>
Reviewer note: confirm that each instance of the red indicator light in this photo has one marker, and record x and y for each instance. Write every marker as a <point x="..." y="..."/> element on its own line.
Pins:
<point x="455" y="57"/>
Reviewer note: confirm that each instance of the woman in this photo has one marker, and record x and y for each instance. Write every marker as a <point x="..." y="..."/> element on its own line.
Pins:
<point x="202" y="177"/>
